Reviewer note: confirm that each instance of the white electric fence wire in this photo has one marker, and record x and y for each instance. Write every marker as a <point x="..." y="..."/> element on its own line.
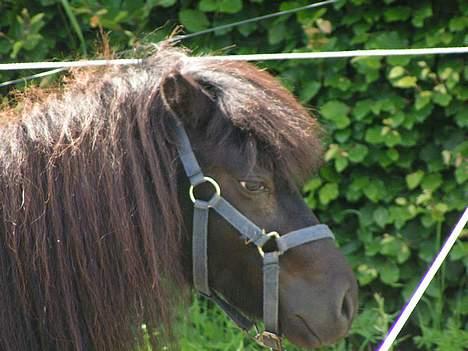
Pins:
<point x="398" y="325"/>
<point x="67" y="64"/>
<point x="342" y="54"/>
<point x="252" y="57"/>
<point x="58" y="66"/>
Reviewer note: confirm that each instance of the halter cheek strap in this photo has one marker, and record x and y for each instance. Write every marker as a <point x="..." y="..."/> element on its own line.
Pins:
<point x="251" y="233"/>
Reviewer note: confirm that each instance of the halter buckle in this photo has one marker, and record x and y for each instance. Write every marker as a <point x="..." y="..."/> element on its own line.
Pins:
<point x="268" y="339"/>
<point x="270" y="235"/>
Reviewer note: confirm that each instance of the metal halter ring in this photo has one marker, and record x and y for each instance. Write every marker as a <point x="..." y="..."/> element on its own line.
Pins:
<point x="215" y="185"/>
<point x="270" y="235"/>
<point x="269" y="340"/>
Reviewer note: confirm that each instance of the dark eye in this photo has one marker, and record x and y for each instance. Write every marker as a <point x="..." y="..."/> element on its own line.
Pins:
<point x="253" y="186"/>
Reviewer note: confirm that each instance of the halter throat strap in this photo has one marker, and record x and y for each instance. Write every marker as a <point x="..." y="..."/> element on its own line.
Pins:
<point x="251" y="233"/>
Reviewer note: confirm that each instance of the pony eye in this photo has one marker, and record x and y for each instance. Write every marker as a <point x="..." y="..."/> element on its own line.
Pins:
<point x="253" y="186"/>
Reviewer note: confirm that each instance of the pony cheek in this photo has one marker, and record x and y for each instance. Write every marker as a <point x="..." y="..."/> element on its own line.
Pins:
<point x="234" y="268"/>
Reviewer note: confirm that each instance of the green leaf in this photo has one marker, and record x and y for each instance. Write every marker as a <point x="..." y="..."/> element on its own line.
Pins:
<point x="392" y="137"/>
<point x="458" y="23"/>
<point x="438" y="212"/>
<point x="340" y="164"/>
<point x="459" y="251"/>
<point x="387" y="40"/>
<point x="369" y="66"/>
<point x="404" y="253"/>
<point x="375" y="191"/>
<point x="401" y="215"/>
<point x="165" y="3"/>
<point x="48" y="2"/>
<point x="425" y="11"/>
<point x="337" y="81"/>
<point x="397" y="13"/>
<point x="226" y="6"/>
<point x="333" y="150"/>
<point x="37" y="22"/>
<point x="336" y="111"/>
<point x="389" y="245"/>
<point x="399" y="60"/>
<point x="366" y="274"/>
<point x="342" y="135"/>
<point x="309" y="89"/>
<point x="208" y="5"/>
<point x="362" y="108"/>
<point x="193" y="20"/>
<point x="312" y="185"/>
<point x="413" y="179"/>
<point x="329" y="174"/>
<point x="393" y="154"/>
<point x="426" y="250"/>
<point x="441" y="99"/>
<point x="396" y="72"/>
<point x="230" y="6"/>
<point x="406" y="82"/>
<point x="328" y="192"/>
<point x="422" y="99"/>
<point x="381" y="217"/>
<point x="461" y="173"/>
<point x="389" y="272"/>
<point x="355" y="190"/>
<point x="374" y="135"/>
<point x="432" y="181"/>
<point x="277" y="33"/>
<point x="357" y="153"/>
<point x="17" y="46"/>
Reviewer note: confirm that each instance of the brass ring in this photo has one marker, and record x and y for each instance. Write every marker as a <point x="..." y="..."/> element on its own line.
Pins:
<point x="212" y="182"/>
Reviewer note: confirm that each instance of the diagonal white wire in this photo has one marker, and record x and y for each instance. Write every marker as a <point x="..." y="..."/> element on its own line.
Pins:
<point x="398" y="325"/>
<point x="34" y="76"/>
<point x="191" y="35"/>
<point x="254" y="19"/>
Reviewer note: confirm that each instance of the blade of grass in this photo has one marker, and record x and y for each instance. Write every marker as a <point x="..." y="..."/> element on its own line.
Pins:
<point x="74" y="24"/>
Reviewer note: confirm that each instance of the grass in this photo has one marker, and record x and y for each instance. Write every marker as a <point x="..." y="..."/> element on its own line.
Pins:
<point x="206" y="327"/>
<point x="75" y="25"/>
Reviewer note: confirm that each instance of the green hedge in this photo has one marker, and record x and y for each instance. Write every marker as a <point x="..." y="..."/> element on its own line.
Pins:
<point x="396" y="177"/>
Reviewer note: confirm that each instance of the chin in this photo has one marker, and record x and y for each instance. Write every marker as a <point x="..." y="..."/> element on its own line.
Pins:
<point x="301" y="335"/>
<point x="304" y="341"/>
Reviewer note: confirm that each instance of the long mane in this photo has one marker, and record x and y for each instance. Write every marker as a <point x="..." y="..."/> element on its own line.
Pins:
<point x="90" y="227"/>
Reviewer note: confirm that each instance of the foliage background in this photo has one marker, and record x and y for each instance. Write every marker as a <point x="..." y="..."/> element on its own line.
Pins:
<point x="396" y="177"/>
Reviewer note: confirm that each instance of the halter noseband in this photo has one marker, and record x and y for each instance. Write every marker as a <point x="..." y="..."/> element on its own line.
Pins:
<point x="251" y="233"/>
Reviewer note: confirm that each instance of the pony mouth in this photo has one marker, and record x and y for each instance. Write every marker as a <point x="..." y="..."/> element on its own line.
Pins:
<point x="312" y="337"/>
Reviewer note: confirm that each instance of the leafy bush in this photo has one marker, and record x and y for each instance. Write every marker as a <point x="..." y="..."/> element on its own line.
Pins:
<point x="396" y="174"/>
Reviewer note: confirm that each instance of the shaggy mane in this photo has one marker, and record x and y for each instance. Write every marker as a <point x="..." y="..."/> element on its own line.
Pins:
<point x="90" y="227"/>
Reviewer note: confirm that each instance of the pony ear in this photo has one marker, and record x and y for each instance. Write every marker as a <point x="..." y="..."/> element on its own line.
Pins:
<point x="186" y="99"/>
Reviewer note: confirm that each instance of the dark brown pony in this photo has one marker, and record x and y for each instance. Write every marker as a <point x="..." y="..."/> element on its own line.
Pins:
<point x="95" y="217"/>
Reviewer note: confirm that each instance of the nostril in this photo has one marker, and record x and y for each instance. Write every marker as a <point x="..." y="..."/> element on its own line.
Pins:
<point x="347" y="306"/>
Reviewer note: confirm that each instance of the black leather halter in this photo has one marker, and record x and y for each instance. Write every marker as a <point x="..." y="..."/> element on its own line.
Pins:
<point x="251" y="233"/>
